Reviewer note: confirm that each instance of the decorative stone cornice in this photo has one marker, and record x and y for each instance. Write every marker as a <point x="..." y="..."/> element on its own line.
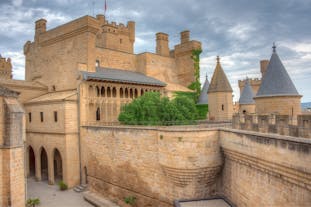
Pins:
<point x="286" y="174"/>
<point x="7" y="92"/>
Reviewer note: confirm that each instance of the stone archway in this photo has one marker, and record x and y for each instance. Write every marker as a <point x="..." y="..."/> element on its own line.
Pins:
<point x="44" y="164"/>
<point x="32" y="162"/>
<point x="58" y="165"/>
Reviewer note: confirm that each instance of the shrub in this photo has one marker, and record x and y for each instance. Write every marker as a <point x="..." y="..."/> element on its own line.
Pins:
<point x="130" y="200"/>
<point x="62" y="186"/>
<point x="32" y="202"/>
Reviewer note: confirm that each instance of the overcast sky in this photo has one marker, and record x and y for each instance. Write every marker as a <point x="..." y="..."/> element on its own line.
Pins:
<point x="240" y="31"/>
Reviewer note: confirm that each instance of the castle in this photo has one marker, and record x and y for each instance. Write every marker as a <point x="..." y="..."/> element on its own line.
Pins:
<point x="79" y="75"/>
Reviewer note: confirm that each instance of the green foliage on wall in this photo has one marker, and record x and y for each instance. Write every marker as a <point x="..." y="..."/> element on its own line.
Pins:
<point x="152" y="109"/>
<point x="196" y="85"/>
<point x="202" y="111"/>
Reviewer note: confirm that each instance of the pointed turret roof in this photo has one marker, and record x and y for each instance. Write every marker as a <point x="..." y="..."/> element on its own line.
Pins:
<point x="219" y="82"/>
<point x="203" y="95"/>
<point x="276" y="81"/>
<point x="247" y="94"/>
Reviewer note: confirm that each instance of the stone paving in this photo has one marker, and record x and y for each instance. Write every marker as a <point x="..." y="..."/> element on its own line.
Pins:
<point x="207" y="203"/>
<point x="51" y="196"/>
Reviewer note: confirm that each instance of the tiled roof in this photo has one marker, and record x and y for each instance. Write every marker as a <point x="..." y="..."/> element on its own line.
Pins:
<point x="247" y="94"/>
<point x="276" y="81"/>
<point x="121" y="76"/>
<point x="219" y="82"/>
<point x="203" y="95"/>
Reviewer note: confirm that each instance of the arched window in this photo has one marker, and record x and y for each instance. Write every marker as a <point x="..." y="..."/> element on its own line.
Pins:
<point x="91" y="91"/>
<point x="98" y="114"/>
<point x="131" y="93"/>
<point x="121" y="92"/>
<point x="126" y="93"/>
<point x="114" y="92"/>
<point x="108" y="92"/>
<point x="142" y="92"/>
<point x="135" y="93"/>
<point x="97" y="91"/>
<point x="102" y="91"/>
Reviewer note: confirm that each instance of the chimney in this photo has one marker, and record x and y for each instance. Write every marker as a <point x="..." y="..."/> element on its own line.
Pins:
<point x="263" y="66"/>
<point x="162" y="44"/>
<point x="185" y="36"/>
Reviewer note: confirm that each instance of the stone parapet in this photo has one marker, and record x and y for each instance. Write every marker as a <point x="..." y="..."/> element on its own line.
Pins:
<point x="277" y="124"/>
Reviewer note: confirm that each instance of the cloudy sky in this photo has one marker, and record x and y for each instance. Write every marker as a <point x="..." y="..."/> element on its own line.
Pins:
<point x="240" y="31"/>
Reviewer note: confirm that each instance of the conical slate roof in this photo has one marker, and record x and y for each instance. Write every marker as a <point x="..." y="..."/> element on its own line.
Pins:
<point x="276" y="81"/>
<point x="219" y="82"/>
<point x="203" y="95"/>
<point x="247" y="94"/>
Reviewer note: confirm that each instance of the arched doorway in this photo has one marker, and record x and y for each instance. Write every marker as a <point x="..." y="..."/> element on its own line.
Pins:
<point x="44" y="164"/>
<point x="32" y="162"/>
<point x="58" y="166"/>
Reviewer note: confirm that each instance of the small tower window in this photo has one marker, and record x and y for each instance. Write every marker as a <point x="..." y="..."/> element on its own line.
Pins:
<point x="120" y="41"/>
<point x="41" y="116"/>
<point x="222" y="107"/>
<point x="55" y="116"/>
<point x="97" y="63"/>
<point x="29" y="117"/>
<point x="98" y="114"/>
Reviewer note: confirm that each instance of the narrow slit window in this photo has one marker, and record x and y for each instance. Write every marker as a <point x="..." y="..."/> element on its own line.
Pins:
<point x="41" y="116"/>
<point x="222" y="107"/>
<point x="98" y="114"/>
<point x="29" y="117"/>
<point x="55" y="116"/>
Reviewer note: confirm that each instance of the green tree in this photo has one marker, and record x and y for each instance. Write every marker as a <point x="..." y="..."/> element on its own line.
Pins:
<point x="152" y="109"/>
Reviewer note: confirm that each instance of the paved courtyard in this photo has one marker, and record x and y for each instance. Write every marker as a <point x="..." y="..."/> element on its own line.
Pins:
<point x="51" y="196"/>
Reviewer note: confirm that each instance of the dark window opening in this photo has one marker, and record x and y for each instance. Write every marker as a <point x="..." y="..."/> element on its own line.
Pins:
<point x="222" y="107"/>
<point x="41" y="116"/>
<point x="98" y="114"/>
<point x="55" y="116"/>
<point x="97" y="63"/>
<point x="29" y="117"/>
<point x="120" y="41"/>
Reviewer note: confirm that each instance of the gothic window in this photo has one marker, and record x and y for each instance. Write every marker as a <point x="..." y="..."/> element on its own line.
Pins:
<point x="90" y="90"/>
<point x="102" y="91"/>
<point x="121" y="92"/>
<point x="98" y="114"/>
<point x="126" y="93"/>
<point x="97" y="91"/>
<point x="108" y="92"/>
<point x="114" y="92"/>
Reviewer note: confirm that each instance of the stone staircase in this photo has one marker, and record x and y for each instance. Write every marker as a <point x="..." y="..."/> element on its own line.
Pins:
<point x="80" y="188"/>
<point x="97" y="200"/>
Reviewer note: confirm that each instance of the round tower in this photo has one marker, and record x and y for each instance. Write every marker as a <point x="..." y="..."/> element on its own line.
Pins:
<point x="246" y="101"/>
<point x="220" y="106"/>
<point x="277" y="93"/>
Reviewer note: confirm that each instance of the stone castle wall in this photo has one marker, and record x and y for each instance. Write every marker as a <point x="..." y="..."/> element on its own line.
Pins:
<point x="159" y="165"/>
<point x="265" y="170"/>
<point x="154" y="165"/>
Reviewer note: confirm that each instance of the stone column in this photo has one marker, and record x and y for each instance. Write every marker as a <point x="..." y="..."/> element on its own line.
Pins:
<point x="38" y="167"/>
<point x="51" y="169"/>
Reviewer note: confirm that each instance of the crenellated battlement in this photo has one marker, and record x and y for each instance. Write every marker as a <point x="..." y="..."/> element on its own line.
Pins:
<point x="273" y="123"/>
<point x="5" y="68"/>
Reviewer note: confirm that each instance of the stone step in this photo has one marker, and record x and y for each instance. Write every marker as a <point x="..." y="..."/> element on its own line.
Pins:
<point x="97" y="200"/>
<point x="80" y="188"/>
